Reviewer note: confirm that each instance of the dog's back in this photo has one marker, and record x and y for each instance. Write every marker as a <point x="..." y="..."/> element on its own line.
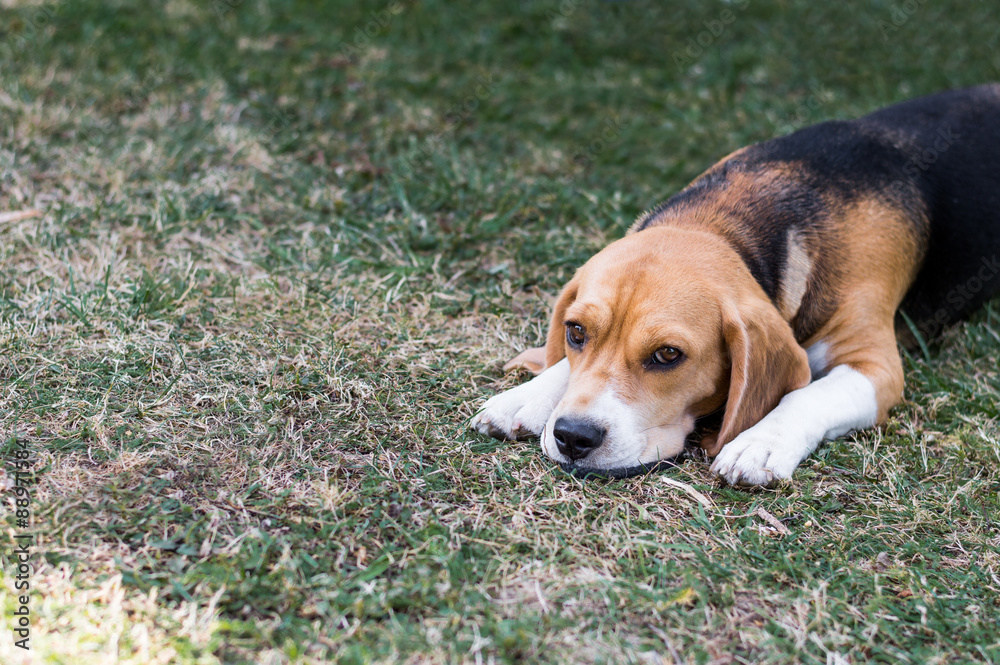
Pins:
<point x="935" y="159"/>
<point x="954" y="159"/>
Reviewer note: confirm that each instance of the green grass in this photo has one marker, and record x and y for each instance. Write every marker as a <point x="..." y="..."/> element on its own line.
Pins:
<point x="273" y="277"/>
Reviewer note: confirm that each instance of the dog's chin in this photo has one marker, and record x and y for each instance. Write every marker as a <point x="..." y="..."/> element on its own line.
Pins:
<point x="641" y="469"/>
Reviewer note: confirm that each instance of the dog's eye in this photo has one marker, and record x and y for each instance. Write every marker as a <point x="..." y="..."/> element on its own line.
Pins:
<point x="575" y="335"/>
<point x="666" y="357"/>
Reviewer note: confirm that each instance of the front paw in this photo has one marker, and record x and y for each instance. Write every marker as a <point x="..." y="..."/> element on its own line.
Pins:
<point x="514" y="414"/>
<point x="757" y="459"/>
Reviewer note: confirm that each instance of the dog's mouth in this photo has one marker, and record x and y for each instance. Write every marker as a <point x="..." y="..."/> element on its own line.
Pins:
<point x="583" y="472"/>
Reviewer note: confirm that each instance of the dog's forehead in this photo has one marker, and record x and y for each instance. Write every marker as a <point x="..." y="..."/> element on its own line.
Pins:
<point x="658" y="254"/>
<point x="653" y="307"/>
<point x="643" y="281"/>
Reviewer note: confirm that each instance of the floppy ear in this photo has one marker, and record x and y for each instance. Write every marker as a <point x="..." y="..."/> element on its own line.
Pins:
<point x="537" y="359"/>
<point x="767" y="364"/>
<point x="555" y="343"/>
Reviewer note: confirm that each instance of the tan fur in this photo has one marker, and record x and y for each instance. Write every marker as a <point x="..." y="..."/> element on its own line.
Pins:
<point x="880" y="258"/>
<point x="713" y="212"/>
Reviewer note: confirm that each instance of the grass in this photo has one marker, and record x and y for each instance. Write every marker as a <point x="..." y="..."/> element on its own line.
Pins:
<point x="278" y="262"/>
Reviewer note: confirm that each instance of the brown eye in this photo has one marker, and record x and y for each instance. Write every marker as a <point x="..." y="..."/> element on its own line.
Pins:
<point x="575" y="335"/>
<point x="666" y="357"/>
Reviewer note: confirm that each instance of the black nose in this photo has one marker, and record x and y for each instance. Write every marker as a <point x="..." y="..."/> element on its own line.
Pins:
<point x="576" y="438"/>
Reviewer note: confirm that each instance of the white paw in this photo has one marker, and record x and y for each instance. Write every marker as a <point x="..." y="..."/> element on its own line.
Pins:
<point x="523" y="411"/>
<point x="770" y="451"/>
<point x="759" y="458"/>
<point x="513" y="414"/>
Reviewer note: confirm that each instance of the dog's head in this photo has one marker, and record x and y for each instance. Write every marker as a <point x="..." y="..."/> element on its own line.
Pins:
<point x="661" y="328"/>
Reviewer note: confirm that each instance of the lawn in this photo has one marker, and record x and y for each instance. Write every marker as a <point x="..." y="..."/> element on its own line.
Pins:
<point x="270" y="257"/>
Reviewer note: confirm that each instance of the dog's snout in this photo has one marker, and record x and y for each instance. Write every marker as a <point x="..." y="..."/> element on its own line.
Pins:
<point x="577" y="438"/>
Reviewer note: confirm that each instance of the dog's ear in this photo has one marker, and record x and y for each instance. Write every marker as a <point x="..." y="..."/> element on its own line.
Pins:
<point x="767" y="364"/>
<point x="536" y="360"/>
<point x="555" y="342"/>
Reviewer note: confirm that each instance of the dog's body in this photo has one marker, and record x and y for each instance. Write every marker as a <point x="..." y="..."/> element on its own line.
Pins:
<point x="771" y="286"/>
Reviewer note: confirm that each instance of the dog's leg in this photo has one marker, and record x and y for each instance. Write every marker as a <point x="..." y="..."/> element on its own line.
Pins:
<point x="857" y="393"/>
<point x="841" y="401"/>
<point x="523" y="411"/>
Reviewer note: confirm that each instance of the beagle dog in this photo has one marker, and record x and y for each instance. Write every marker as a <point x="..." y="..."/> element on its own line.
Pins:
<point x="768" y="294"/>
